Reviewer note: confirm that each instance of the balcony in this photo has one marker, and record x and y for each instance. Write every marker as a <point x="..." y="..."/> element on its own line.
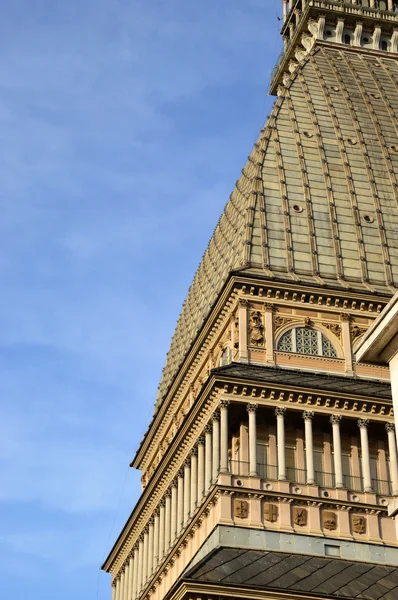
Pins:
<point x="326" y="480"/>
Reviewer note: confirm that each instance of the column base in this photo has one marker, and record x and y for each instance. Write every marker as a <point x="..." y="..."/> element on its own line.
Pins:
<point x="311" y="482"/>
<point x="282" y="478"/>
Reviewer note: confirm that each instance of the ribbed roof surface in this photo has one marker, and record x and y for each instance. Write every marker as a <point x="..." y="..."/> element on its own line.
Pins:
<point x="317" y="199"/>
<point x="299" y="574"/>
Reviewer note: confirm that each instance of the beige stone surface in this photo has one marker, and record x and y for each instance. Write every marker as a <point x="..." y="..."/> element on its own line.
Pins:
<point x="316" y="201"/>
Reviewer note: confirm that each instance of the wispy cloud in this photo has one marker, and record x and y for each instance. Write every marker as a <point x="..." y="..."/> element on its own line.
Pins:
<point x="123" y="128"/>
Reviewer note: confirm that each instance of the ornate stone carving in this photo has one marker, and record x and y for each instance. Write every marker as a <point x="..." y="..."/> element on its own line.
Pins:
<point x="270" y="513"/>
<point x="363" y="423"/>
<point x="329" y="520"/>
<point x="280" y="410"/>
<point x="251" y="407"/>
<point x="335" y="419"/>
<point x="308" y="41"/>
<point x="358" y="524"/>
<point x="356" y="332"/>
<point x="390" y="427"/>
<point x="300" y="516"/>
<point x="308" y="415"/>
<point x="300" y="53"/>
<point x="334" y="328"/>
<point x="256" y="329"/>
<point x="280" y="321"/>
<point x="241" y="509"/>
<point x="224" y="403"/>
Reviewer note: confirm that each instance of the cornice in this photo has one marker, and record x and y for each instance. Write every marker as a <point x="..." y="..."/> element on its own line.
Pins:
<point x="253" y="288"/>
<point x="240" y="389"/>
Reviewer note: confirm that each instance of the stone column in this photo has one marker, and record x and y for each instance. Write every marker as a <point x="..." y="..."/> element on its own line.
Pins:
<point x="135" y="576"/>
<point x="216" y="446"/>
<point x="167" y="526"/>
<point x="346" y="340"/>
<point x="161" y="529"/>
<point x="113" y="590"/>
<point x="224" y="436"/>
<point x="243" y="355"/>
<point x="150" y="548"/>
<point x="338" y="465"/>
<point x="156" y="538"/>
<point x="173" y="511"/>
<point x="309" y="446"/>
<point x="145" y="557"/>
<point x="280" y="437"/>
<point x="390" y="5"/>
<point x="117" y="588"/>
<point x="140" y="563"/>
<point x="252" y="410"/>
<point x="180" y="501"/>
<point x="201" y="468"/>
<point x="208" y="454"/>
<point x="284" y="10"/>
<point x="366" y="474"/>
<point x="194" y="479"/>
<point x="121" y="583"/>
<point x="187" y="489"/>
<point x="131" y="576"/>
<point x="392" y="450"/>
<point x="269" y="334"/>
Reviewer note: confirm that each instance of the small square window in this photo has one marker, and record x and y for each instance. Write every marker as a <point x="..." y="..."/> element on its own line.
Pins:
<point x="331" y="550"/>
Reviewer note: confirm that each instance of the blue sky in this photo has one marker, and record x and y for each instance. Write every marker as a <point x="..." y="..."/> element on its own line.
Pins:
<point x="124" y="126"/>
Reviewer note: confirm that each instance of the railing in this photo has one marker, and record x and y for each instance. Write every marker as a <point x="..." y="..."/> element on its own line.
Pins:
<point x="299" y="476"/>
<point x="353" y="483"/>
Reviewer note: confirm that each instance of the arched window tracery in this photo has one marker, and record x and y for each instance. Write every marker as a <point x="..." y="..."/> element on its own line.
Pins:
<point x="305" y="340"/>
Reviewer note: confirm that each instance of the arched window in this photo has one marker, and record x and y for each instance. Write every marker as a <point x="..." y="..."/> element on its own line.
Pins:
<point x="304" y="340"/>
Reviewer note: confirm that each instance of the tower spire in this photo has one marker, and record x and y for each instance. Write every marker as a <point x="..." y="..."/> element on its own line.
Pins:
<point x="370" y="25"/>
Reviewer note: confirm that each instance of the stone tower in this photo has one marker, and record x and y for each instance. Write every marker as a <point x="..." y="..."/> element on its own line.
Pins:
<point x="271" y="457"/>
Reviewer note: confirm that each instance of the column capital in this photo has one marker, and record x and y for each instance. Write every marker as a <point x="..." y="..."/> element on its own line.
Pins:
<point x="201" y="440"/>
<point x="215" y="416"/>
<point x="225" y="403"/>
<point x="345" y="317"/>
<point x="268" y="306"/>
<point x="308" y="415"/>
<point x="151" y="521"/>
<point x="162" y="503"/>
<point x="208" y="428"/>
<point x="167" y="493"/>
<point x="174" y="483"/>
<point x="390" y="427"/>
<point x="243" y="301"/>
<point x="335" y="419"/>
<point x="187" y="463"/>
<point x="280" y="411"/>
<point x="193" y="452"/>
<point x="251" y="407"/>
<point x="181" y="474"/>
<point x="363" y="423"/>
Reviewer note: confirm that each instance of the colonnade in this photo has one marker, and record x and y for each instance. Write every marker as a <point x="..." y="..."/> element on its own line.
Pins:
<point x="208" y="457"/>
<point x="335" y="421"/>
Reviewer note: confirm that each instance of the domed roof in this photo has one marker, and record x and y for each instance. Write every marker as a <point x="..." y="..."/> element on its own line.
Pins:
<point x="317" y="200"/>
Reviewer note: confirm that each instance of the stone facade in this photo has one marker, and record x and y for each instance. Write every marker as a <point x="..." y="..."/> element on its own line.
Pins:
<point x="264" y="422"/>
